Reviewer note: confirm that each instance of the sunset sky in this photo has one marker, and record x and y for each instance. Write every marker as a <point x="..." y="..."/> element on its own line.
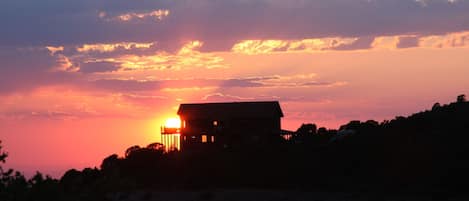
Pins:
<point x="80" y="80"/>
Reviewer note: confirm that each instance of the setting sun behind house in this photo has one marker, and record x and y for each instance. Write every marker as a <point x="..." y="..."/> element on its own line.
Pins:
<point x="170" y="134"/>
<point x="172" y="123"/>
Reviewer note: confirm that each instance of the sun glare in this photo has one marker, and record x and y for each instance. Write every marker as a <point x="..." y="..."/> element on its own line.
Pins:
<point x="173" y="123"/>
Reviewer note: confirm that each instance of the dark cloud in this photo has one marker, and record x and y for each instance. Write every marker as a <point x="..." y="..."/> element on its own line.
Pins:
<point x="147" y="100"/>
<point x="220" y="97"/>
<point x="46" y="114"/>
<point x="408" y="41"/>
<point x="95" y="67"/>
<point x="221" y="23"/>
<point x="223" y="97"/>
<point x="120" y="48"/>
<point x="137" y="85"/>
<point x="360" y="43"/>
<point x="28" y="68"/>
<point x="126" y="85"/>
<point x="143" y="99"/>
<point x="241" y="83"/>
<point x="318" y="84"/>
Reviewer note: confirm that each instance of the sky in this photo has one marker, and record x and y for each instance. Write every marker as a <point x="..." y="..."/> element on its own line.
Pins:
<point x="81" y="80"/>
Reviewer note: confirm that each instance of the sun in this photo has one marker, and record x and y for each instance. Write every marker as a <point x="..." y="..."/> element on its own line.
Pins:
<point x="172" y="123"/>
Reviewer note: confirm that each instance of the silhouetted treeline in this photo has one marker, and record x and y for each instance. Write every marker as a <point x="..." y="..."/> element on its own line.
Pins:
<point x="426" y="152"/>
<point x="14" y="186"/>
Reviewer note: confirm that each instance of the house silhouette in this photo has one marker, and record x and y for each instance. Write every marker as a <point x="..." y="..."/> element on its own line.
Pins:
<point x="224" y="125"/>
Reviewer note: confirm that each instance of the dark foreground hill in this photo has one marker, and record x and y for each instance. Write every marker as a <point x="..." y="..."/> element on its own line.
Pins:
<point x="425" y="153"/>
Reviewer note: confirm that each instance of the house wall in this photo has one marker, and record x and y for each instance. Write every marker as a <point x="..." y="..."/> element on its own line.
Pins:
<point x="223" y="132"/>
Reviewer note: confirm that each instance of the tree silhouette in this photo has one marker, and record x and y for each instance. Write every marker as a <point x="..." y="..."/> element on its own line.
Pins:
<point x="306" y="129"/>
<point x="322" y="131"/>
<point x="13" y="185"/>
<point x="131" y="150"/>
<point x="43" y="188"/>
<point x="156" y="146"/>
<point x="461" y="98"/>
<point x="436" y="106"/>
<point x="3" y="155"/>
<point x="371" y="123"/>
<point x="109" y="163"/>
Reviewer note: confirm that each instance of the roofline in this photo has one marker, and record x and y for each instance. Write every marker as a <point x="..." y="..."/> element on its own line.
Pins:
<point x="230" y="102"/>
<point x="214" y="103"/>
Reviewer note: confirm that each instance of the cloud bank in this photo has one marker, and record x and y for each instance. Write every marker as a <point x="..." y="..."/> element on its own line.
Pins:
<point x="222" y="23"/>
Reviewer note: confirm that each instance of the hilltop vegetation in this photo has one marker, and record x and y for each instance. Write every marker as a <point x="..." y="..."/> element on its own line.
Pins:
<point x="423" y="153"/>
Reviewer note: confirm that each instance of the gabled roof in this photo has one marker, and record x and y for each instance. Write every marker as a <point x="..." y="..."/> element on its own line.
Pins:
<point x="233" y="109"/>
